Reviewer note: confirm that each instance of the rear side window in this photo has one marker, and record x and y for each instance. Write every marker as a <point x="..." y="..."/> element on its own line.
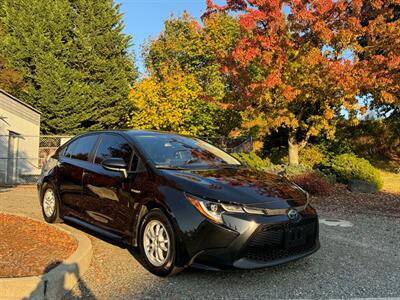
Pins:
<point x="113" y="146"/>
<point x="60" y="151"/>
<point x="81" y="148"/>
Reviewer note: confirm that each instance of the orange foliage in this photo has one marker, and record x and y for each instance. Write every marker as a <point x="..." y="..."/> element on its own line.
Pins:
<point x="299" y="70"/>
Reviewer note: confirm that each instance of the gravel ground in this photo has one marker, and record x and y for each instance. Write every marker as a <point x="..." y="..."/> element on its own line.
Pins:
<point x="354" y="262"/>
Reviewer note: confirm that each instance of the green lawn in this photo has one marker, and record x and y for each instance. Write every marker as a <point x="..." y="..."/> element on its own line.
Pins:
<point x="391" y="182"/>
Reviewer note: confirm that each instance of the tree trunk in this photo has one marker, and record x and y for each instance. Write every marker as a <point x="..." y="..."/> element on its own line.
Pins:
<point x="293" y="149"/>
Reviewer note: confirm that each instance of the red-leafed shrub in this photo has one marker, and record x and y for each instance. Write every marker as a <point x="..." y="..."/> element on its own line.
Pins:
<point x="313" y="183"/>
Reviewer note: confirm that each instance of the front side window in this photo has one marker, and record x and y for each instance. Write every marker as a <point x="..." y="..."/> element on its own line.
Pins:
<point x="81" y="147"/>
<point x="179" y="151"/>
<point x="113" y="146"/>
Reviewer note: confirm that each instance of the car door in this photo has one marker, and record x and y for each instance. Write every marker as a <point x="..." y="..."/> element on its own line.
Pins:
<point x="70" y="170"/>
<point x="107" y="194"/>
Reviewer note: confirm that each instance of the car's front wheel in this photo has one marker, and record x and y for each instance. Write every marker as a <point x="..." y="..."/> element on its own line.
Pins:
<point x="157" y="244"/>
<point x="50" y="205"/>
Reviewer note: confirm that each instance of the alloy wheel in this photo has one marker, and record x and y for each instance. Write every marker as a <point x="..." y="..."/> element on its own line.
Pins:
<point x="49" y="203"/>
<point x="156" y="243"/>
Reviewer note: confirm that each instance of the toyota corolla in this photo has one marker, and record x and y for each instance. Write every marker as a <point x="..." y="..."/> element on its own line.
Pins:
<point x="180" y="200"/>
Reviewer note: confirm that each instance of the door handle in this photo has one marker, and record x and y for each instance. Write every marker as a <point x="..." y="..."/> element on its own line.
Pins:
<point x="86" y="175"/>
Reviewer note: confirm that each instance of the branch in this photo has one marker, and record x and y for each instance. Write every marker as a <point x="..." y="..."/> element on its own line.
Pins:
<point x="305" y="141"/>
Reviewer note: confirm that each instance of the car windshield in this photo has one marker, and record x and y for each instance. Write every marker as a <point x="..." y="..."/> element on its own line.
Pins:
<point x="174" y="151"/>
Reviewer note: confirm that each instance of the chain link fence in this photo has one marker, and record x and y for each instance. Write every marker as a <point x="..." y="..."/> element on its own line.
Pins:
<point x="22" y="157"/>
<point x="231" y="145"/>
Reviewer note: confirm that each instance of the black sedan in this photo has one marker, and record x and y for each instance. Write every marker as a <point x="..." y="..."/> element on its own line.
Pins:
<point x="181" y="200"/>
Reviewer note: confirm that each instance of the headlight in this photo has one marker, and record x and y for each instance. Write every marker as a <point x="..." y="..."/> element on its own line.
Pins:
<point x="212" y="210"/>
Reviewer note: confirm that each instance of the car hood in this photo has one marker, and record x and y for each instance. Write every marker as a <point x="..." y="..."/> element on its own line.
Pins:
<point x="240" y="186"/>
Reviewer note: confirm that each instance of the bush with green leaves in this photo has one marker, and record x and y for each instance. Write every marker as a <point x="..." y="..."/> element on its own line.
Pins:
<point x="348" y="167"/>
<point x="278" y="155"/>
<point x="292" y="171"/>
<point x="309" y="156"/>
<point x="337" y="146"/>
<point x="253" y="161"/>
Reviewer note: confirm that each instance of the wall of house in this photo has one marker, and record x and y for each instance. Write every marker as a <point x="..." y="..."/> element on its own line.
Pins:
<point x="19" y="140"/>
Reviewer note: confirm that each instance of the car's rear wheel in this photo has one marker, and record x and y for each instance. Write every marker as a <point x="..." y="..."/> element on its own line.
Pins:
<point x="157" y="244"/>
<point x="50" y="205"/>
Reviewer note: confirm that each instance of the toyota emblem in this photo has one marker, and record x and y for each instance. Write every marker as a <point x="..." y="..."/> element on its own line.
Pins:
<point x="293" y="214"/>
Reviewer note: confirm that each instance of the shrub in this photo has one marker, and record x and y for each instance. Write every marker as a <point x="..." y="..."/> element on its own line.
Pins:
<point x="348" y="167"/>
<point x="295" y="170"/>
<point x="278" y="155"/>
<point x="311" y="156"/>
<point x="337" y="146"/>
<point x="327" y="176"/>
<point x="313" y="183"/>
<point x="253" y="160"/>
<point x="377" y="139"/>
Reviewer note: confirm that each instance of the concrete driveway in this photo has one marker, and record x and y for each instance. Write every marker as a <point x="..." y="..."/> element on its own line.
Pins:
<point x="359" y="258"/>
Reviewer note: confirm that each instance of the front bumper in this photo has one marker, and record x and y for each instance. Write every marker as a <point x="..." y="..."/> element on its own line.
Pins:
<point x="263" y="241"/>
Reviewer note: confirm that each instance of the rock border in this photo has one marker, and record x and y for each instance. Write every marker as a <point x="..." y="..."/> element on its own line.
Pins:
<point x="58" y="281"/>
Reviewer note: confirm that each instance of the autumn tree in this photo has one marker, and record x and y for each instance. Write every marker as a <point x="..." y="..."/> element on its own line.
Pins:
<point x="184" y="89"/>
<point x="379" y="60"/>
<point x="171" y="102"/>
<point x="379" y="52"/>
<point x="294" y="65"/>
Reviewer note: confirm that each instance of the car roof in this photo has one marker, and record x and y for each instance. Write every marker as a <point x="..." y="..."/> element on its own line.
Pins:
<point x="132" y="132"/>
<point x="147" y="132"/>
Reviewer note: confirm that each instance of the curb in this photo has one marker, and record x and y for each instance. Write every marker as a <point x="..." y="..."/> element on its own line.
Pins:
<point x="56" y="283"/>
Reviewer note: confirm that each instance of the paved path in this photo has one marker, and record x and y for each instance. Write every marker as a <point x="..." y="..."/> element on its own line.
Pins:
<point x="361" y="261"/>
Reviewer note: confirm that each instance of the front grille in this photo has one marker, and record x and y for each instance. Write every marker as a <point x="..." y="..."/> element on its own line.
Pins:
<point x="276" y="241"/>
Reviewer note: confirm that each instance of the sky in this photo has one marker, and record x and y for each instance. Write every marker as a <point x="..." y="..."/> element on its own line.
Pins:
<point x="144" y="18"/>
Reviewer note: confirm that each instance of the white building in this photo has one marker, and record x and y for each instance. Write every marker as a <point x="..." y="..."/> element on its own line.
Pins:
<point x="19" y="140"/>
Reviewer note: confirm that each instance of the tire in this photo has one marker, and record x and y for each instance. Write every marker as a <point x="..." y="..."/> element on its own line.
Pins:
<point x="162" y="264"/>
<point x="50" y="207"/>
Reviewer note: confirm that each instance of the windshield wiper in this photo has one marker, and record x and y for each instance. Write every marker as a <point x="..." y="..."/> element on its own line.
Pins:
<point x="169" y="167"/>
<point x="230" y="165"/>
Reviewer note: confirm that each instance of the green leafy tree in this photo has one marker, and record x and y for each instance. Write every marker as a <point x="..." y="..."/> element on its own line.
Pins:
<point x="182" y="44"/>
<point x="74" y="58"/>
<point x="10" y="79"/>
<point x="36" y="44"/>
<point x="100" y="53"/>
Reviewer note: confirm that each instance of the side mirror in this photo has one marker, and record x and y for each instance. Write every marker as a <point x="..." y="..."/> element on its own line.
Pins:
<point x="116" y="164"/>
